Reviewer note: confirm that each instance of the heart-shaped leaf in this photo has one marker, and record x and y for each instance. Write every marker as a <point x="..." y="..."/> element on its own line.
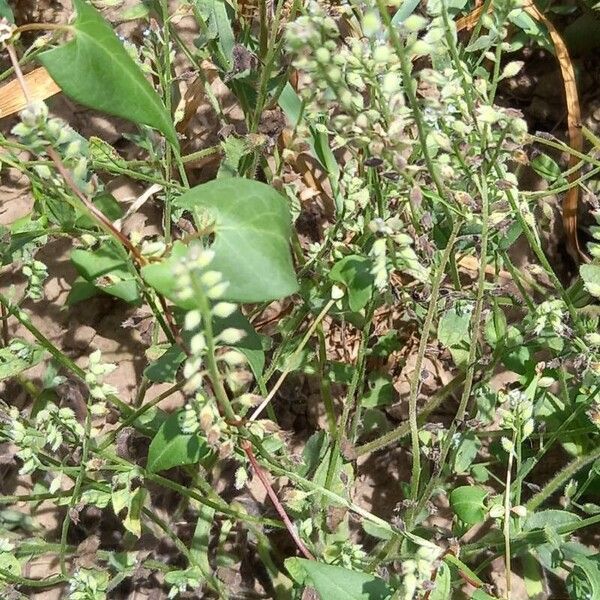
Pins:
<point x="172" y="448"/>
<point x="251" y="223"/>
<point x="95" y="70"/>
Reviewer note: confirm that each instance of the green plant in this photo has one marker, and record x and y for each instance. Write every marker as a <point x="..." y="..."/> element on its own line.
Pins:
<point x="418" y="180"/>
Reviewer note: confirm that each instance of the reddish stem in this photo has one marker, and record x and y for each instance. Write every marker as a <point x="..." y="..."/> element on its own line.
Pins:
<point x="273" y="496"/>
<point x="98" y="215"/>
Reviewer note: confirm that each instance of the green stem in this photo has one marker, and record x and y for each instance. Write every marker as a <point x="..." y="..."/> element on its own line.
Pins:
<point x="210" y="358"/>
<point x="292" y="361"/>
<point x="416" y="378"/>
<point x="32" y="583"/>
<point x="404" y="429"/>
<point x="476" y="322"/>
<point x="561" y="478"/>
<point x="349" y="404"/>
<point x="324" y="381"/>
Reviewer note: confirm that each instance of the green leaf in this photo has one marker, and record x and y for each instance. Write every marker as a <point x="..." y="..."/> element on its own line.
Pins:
<point x="533" y="576"/>
<point x="159" y="275"/>
<point x="313" y="453"/>
<point x="546" y="168"/>
<point x="453" y="328"/>
<point x="551" y="518"/>
<point x="381" y="392"/>
<point x="81" y="290"/>
<point x="443" y="584"/>
<point x="354" y="272"/>
<point x="406" y="9"/>
<point x="381" y="533"/>
<point x="456" y="563"/>
<point x="19" y="356"/>
<point x="22" y="232"/>
<point x="466" y="452"/>
<point x="453" y="332"/>
<point x="290" y="104"/>
<point x="165" y="368"/>
<point x="9" y="562"/>
<point x="584" y="580"/>
<point x="95" y="70"/>
<point x="214" y="13"/>
<point x="108" y="270"/>
<point x="6" y="11"/>
<point x="251" y="345"/>
<point x="235" y="149"/>
<point x="252" y="227"/>
<point x="132" y="521"/>
<point x="199" y="548"/>
<point x="109" y="207"/>
<point x="467" y="503"/>
<point x="137" y="11"/>
<point x="591" y="279"/>
<point x="495" y="326"/>
<point x="172" y="448"/>
<point x="335" y="583"/>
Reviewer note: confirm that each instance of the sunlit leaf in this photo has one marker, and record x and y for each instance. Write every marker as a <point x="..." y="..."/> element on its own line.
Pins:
<point x="252" y="226"/>
<point x="172" y="448"/>
<point x="333" y="582"/>
<point x="95" y="70"/>
<point x="467" y="503"/>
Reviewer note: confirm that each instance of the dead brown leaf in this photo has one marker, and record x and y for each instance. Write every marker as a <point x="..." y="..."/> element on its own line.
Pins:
<point x="40" y="86"/>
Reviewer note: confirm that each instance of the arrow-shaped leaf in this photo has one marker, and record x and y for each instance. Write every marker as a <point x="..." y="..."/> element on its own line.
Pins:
<point x="95" y="70"/>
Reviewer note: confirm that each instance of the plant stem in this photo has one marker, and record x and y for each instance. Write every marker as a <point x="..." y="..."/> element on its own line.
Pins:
<point x="404" y="429"/>
<point x="350" y="402"/>
<point x="506" y="528"/>
<point x="211" y="361"/>
<point x="562" y="477"/>
<point x="290" y="364"/>
<point x="409" y="89"/>
<point x="76" y="493"/>
<point x="273" y="497"/>
<point x="416" y="378"/>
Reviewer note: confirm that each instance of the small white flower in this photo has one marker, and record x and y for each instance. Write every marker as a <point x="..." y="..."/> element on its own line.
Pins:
<point x="197" y="343"/>
<point x="192" y="320"/>
<point x="217" y="291"/>
<point x="211" y="278"/>
<point x="222" y="310"/>
<point x="231" y="336"/>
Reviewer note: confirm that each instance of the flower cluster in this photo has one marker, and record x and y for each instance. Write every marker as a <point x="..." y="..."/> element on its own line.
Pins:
<point x="95" y="372"/>
<point x="36" y="272"/>
<point x="200" y="415"/>
<point x="200" y="286"/>
<point x="550" y="317"/>
<point x="37" y="130"/>
<point x="516" y="414"/>
<point x="49" y="429"/>
<point x="417" y="572"/>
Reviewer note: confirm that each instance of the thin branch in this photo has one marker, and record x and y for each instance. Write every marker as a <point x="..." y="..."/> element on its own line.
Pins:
<point x="273" y="496"/>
